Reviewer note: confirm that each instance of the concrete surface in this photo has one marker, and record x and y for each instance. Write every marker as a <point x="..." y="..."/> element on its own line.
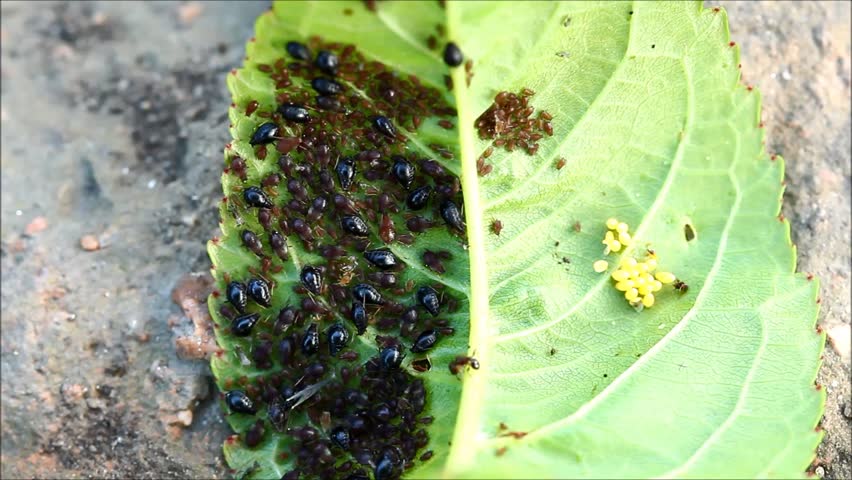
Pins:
<point x="113" y="121"/>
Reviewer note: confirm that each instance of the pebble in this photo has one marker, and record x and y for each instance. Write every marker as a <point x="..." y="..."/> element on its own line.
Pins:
<point x="90" y="243"/>
<point x="820" y="471"/>
<point x="847" y="411"/>
<point x="839" y="336"/>
<point x="38" y="224"/>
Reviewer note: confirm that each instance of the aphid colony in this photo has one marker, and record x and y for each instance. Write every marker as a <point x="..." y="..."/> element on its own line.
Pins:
<point x="509" y="121"/>
<point x="636" y="278"/>
<point x="346" y="190"/>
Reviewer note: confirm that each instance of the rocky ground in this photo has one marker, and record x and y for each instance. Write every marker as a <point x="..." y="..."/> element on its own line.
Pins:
<point x="113" y="121"/>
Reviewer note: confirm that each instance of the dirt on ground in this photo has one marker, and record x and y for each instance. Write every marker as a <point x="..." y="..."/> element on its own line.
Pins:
<point x="113" y="123"/>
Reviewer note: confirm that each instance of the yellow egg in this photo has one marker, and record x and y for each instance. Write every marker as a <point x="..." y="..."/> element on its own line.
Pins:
<point x="622" y="286"/>
<point x="622" y="227"/>
<point x="631" y="294"/>
<point x="665" y="277"/>
<point x="611" y="223"/>
<point x="620" y="275"/>
<point x="648" y="300"/>
<point x="600" y="266"/>
<point x="615" y="245"/>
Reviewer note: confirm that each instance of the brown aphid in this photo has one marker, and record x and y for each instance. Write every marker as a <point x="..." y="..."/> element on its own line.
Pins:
<point x="421" y="365"/>
<point x="386" y="229"/>
<point x="501" y="451"/>
<point x="578" y="227"/>
<point x="433" y="262"/>
<point x="496" y="227"/>
<point x="560" y="163"/>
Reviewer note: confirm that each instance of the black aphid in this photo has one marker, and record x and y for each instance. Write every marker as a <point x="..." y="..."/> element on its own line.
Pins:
<point x="428" y="297"/>
<point x="338" y="337"/>
<point x="358" y="475"/>
<point x="340" y="437"/>
<point x="252" y="242"/>
<point x="425" y="341"/>
<point x="451" y="214"/>
<point x="279" y="245"/>
<point x="327" y="62"/>
<point x="310" y="342"/>
<point x="387" y="465"/>
<point x="266" y="133"/>
<point x="325" y="86"/>
<point x="242" y="325"/>
<point x="359" y="317"/>
<point x="354" y="225"/>
<point x="328" y="103"/>
<point x="384" y="126"/>
<point x="453" y="55"/>
<point x="384" y="259"/>
<point x="390" y="358"/>
<point x="418" y="198"/>
<point x="255" y="197"/>
<point x="345" y="172"/>
<point x="299" y="51"/>
<point x="254" y="435"/>
<point x="366" y="294"/>
<point x="312" y="279"/>
<point x="239" y="402"/>
<point x="260" y="292"/>
<point x="403" y="171"/>
<point x="236" y="295"/>
<point x="294" y="113"/>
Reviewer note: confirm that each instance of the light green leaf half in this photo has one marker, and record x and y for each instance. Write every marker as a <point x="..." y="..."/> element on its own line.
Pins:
<point x="657" y="132"/>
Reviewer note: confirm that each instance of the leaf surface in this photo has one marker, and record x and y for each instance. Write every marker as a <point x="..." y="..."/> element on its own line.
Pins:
<point x="655" y="130"/>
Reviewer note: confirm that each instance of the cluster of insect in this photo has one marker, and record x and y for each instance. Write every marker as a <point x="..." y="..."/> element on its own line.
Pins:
<point x="344" y="188"/>
<point x="638" y="279"/>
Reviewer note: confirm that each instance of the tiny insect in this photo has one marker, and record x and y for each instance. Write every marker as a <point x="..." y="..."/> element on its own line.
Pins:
<point x="390" y="358"/>
<point x="421" y="365"/>
<point x="354" y="225"/>
<point x="259" y="291"/>
<point x="425" y="341"/>
<point x="236" y="294"/>
<point x="312" y="279"/>
<point x="383" y="259"/>
<point x="328" y="103"/>
<point x="325" y="86"/>
<point x="428" y="298"/>
<point x="403" y="171"/>
<point x="338" y="337"/>
<point x="294" y="113"/>
<point x="298" y="51"/>
<point x="366" y="294"/>
<point x="560" y="163"/>
<point x="242" y="325"/>
<point x="340" y="437"/>
<point x="239" y="402"/>
<point x="255" y="197"/>
<point x="345" y="172"/>
<point x="310" y="342"/>
<point x="461" y="361"/>
<point x="384" y="126"/>
<point x="680" y="286"/>
<point x="327" y="62"/>
<point x="359" y="317"/>
<point x="451" y="214"/>
<point x="266" y="133"/>
<point x="418" y="198"/>
<point x="453" y="55"/>
<point x="496" y="227"/>
<point x="279" y="245"/>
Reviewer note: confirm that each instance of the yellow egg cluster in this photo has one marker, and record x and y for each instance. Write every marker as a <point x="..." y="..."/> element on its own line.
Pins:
<point x="637" y="279"/>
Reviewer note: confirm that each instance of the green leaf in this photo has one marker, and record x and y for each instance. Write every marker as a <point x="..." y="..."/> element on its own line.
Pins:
<point x="655" y="130"/>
